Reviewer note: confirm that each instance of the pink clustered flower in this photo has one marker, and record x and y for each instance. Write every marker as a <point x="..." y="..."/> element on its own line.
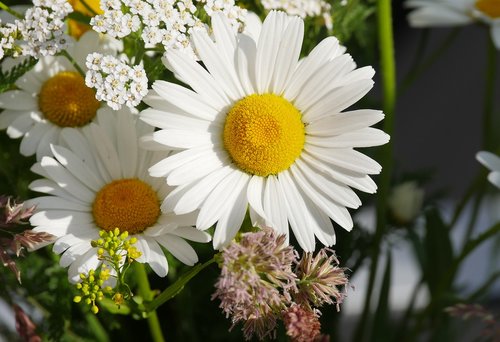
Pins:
<point x="263" y="281"/>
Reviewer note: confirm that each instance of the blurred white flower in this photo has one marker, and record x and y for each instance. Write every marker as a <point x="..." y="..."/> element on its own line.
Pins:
<point x="492" y="162"/>
<point x="405" y="202"/>
<point x="428" y="13"/>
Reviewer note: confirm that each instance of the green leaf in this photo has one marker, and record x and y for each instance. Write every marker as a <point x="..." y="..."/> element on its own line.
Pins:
<point x="438" y="250"/>
<point x="7" y="79"/>
<point x="111" y="306"/>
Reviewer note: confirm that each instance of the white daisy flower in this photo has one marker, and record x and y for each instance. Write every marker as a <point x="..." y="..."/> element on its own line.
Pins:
<point x="492" y="162"/>
<point x="263" y="129"/>
<point x="455" y="13"/>
<point x="98" y="179"/>
<point x="51" y="96"/>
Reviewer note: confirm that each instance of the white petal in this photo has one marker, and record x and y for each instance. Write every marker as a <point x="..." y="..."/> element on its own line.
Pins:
<point x="346" y="158"/>
<point x="187" y="199"/>
<point x="230" y="222"/>
<point x="179" y="248"/>
<point x="66" y="180"/>
<point x="488" y="159"/>
<point x="198" y="79"/>
<point x="338" y="213"/>
<point x="72" y="253"/>
<point x="268" y="48"/>
<point x="326" y="50"/>
<point x="494" y="178"/>
<point x="217" y="202"/>
<point x="77" y="167"/>
<point x="198" y="168"/>
<point x="495" y="34"/>
<point x="182" y="139"/>
<point x="245" y="63"/>
<point x="323" y="81"/>
<point x="7" y="116"/>
<point x="192" y="234"/>
<point x="332" y="188"/>
<point x="274" y="206"/>
<point x="344" y="122"/>
<point x="155" y="256"/>
<point x="165" y="166"/>
<point x="220" y="67"/>
<point x="53" y="202"/>
<point x="127" y="144"/>
<point x="288" y="54"/>
<point x="255" y="192"/>
<point x="437" y="15"/>
<point x="296" y="209"/>
<point x="185" y="99"/>
<point x="18" y="100"/>
<point x="106" y="151"/>
<point x="83" y="264"/>
<point x="22" y="124"/>
<point x="50" y="187"/>
<point x="337" y="100"/>
<point x="353" y="179"/>
<point x="364" y="137"/>
<point x="51" y="136"/>
<point x="32" y="138"/>
<point x="60" y="218"/>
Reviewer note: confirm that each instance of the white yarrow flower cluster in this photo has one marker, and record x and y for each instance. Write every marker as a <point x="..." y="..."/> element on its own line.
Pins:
<point x="116" y="82"/>
<point x="168" y="23"/>
<point x="302" y="8"/>
<point x="42" y="29"/>
<point x="8" y="35"/>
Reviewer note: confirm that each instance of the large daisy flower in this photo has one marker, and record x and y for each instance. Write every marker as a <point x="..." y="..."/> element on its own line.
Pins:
<point x="492" y="162"/>
<point x="455" y="13"/>
<point x="51" y="96"/>
<point x="260" y="128"/>
<point x="98" y="179"/>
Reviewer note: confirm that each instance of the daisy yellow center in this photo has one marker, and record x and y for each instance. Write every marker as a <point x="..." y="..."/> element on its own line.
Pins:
<point x="489" y="7"/>
<point x="264" y="134"/>
<point x="128" y="204"/>
<point x="66" y="101"/>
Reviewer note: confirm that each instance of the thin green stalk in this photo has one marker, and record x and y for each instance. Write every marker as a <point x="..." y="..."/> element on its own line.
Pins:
<point x="489" y="96"/>
<point x="73" y="62"/>
<point x="84" y="3"/>
<point x="11" y="11"/>
<point x="96" y="327"/>
<point x="176" y="287"/>
<point x="418" y="69"/>
<point x="147" y="295"/>
<point x="476" y="206"/>
<point x="388" y="72"/>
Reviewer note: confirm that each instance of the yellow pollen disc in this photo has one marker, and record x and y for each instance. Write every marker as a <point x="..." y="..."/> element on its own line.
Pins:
<point x="128" y="204"/>
<point x="264" y="134"/>
<point x="76" y="28"/>
<point x="66" y="101"/>
<point x="489" y="7"/>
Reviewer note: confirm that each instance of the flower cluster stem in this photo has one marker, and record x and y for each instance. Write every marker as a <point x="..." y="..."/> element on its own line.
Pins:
<point x="147" y="294"/>
<point x="73" y="62"/>
<point x="388" y="76"/>
<point x="10" y="10"/>
<point x="176" y="287"/>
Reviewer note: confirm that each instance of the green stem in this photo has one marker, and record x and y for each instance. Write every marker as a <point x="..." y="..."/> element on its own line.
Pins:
<point x="11" y="11"/>
<point x="73" y="62"/>
<point x="84" y="3"/>
<point x="147" y="294"/>
<point x="97" y="328"/>
<point x="176" y="287"/>
<point x="489" y="96"/>
<point x="388" y="71"/>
